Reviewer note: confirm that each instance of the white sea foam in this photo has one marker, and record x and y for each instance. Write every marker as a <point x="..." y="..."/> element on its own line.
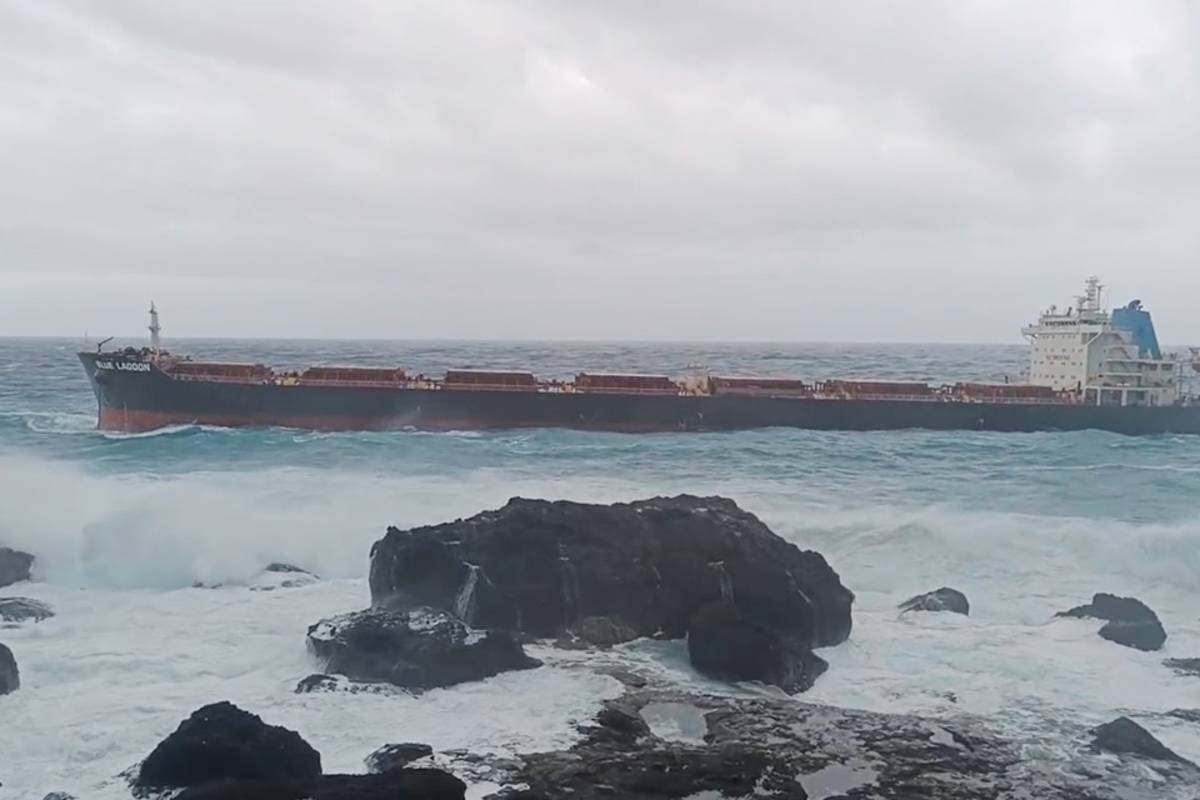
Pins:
<point x="132" y="650"/>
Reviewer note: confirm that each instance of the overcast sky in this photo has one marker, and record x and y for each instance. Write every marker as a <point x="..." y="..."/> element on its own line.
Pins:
<point x="868" y="171"/>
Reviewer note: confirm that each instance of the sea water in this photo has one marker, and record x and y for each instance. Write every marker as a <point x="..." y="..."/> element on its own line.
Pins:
<point x="125" y="526"/>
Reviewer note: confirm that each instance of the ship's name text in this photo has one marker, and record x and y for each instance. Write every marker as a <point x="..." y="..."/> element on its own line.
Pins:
<point x="124" y="366"/>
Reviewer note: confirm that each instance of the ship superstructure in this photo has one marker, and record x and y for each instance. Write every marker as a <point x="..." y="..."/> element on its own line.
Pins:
<point x="1107" y="358"/>
<point x="1089" y="368"/>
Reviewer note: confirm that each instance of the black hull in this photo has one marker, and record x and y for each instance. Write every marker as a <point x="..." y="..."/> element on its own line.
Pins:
<point x="146" y="400"/>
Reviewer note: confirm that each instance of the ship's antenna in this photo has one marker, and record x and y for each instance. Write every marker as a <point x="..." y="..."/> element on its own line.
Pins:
<point x="155" y="328"/>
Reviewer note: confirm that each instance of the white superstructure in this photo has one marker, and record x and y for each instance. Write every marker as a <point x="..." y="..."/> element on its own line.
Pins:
<point x="1107" y="358"/>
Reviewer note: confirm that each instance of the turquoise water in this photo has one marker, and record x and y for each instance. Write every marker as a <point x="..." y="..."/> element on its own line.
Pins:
<point x="1024" y="524"/>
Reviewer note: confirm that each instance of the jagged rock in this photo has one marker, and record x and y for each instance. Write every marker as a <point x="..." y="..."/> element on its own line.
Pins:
<point x="404" y="784"/>
<point x="542" y="567"/>
<point x="1130" y="622"/>
<point x="1184" y="666"/>
<point x="419" y="648"/>
<point x="10" y="676"/>
<point x="772" y="749"/>
<point x="221" y="741"/>
<point x="1145" y="636"/>
<point x="622" y="720"/>
<point x="340" y="683"/>
<point x="1125" y="737"/>
<point x="14" y="566"/>
<point x="627" y="677"/>
<point x="23" y="609"/>
<point x="396" y="756"/>
<point x="943" y="599"/>
<point x="723" y="643"/>
<point x="602" y="632"/>
<point x="282" y="576"/>
<point x="278" y="566"/>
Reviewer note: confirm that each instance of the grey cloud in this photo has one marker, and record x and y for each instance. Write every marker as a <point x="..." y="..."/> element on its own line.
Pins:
<point x="754" y="170"/>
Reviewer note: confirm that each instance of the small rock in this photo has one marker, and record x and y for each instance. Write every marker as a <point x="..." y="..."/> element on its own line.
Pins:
<point x="22" y="609"/>
<point x="943" y="599"/>
<point x="14" y="566"/>
<point x="602" y="632"/>
<point x="1184" y="666"/>
<point x="623" y="720"/>
<point x="59" y="796"/>
<point x="396" y="756"/>
<point x="1114" y="609"/>
<point x="1145" y="636"/>
<point x="1126" y="737"/>
<point x="1130" y="622"/>
<point x="223" y="741"/>
<point x="420" y="648"/>
<point x="724" y="643"/>
<point x="282" y="576"/>
<point x="10" y="676"/>
<point x="276" y="566"/>
<point x="627" y="677"/>
<point x="340" y="683"/>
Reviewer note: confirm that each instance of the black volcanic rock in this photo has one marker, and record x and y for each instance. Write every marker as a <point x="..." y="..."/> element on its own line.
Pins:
<point x="781" y="749"/>
<point x="1146" y="636"/>
<point x="10" y="676"/>
<point x="943" y="599"/>
<point x="417" y="648"/>
<point x="1184" y="666"/>
<point x="14" y="566"/>
<point x="725" y="644"/>
<point x="221" y="741"/>
<point x="1130" y="622"/>
<point x="542" y="567"/>
<point x="601" y="632"/>
<point x="1125" y="737"/>
<point x="396" y="756"/>
<point x="404" y="784"/>
<point x="23" y="609"/>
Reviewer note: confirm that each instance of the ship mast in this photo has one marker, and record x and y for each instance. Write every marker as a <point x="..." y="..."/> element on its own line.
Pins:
<point x="155" y="329"/>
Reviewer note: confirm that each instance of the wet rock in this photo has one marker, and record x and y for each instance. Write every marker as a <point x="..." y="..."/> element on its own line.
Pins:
<point x="396" y="756"/>
<point x="1125" y="737"/>
<point x="943" y="599"/>
<point x="1147" y="636"/>
<point x="278" y="566"/>
<point x="622" y="720"/>
<point x="221" y="741"/>
<point x="404" y="784"/>
<point x="601" y="632"/>
<point x="725" y="644"/>
<point x="543" y="567"/>
<point x="418" y="648"/>
<point x="772" y="749"/>
<point x="10" y="676"/>
<point x="1184" y="666"/>
<point x="282" y="576"/>
<point x="318" y="683"/>
<point x="23" y="609"/>
<point x="1130" y="622"/>
<point x="627" y="677"/>
<point x="14" y="566"/>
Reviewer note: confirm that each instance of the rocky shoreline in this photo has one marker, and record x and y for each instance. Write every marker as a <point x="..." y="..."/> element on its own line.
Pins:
<point x="460" y="602"/>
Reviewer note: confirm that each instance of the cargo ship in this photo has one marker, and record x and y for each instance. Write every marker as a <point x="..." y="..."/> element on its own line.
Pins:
<point x="1089" y="368"/>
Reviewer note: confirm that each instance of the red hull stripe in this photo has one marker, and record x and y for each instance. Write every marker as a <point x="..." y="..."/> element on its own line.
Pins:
<point x="132" y="421"/>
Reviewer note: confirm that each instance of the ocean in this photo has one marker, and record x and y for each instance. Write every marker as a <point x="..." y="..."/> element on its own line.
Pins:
<point x="124" y="526"/>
